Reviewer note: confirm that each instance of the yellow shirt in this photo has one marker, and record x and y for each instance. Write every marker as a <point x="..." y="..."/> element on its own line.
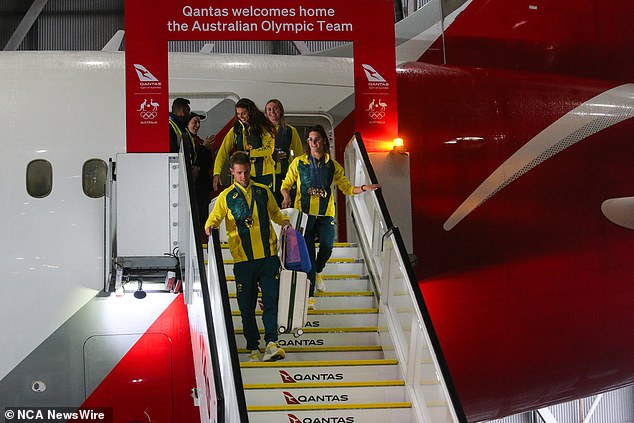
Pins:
<point x="234" y="203"/>
<point x="299" y="172"/>
<point x="263" y="155"/>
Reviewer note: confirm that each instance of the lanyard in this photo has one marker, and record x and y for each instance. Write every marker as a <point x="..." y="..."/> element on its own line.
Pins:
<point x="317" y="178"/>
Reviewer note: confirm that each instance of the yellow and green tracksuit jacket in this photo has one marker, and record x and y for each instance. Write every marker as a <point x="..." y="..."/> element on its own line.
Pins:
<point x="258" y="241"/>
<point x="262" y="152"/>
<point x="299" y="171"/>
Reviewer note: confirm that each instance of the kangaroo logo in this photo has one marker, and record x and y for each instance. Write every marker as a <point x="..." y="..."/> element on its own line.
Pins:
<point x="286" y="378"/>
<point x="148" y="110"/>
<point x="371" y="74"/>
<point x="376" y="109"/>
<point x="292" y="418"/>
<point x="144" y="74"/>
<point x="290" y="399"/>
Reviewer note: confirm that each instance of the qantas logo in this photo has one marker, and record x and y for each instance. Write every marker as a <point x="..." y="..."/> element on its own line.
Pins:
<point x="324" y="398"/>
<point x="292" y="418"/>
<point x="371" y="74"/>
<point x="287" y="378"/>
<point x="144" y="74"/>
<point x="290" y="399"/>
<point x="605" y="110"/>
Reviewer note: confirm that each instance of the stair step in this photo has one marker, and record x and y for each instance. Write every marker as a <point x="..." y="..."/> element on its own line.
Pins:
<point x="319" y="371"/>
<point x="294" y="407"/>
<point x="332" y="300"/>
<point x="335" y="352"/>
<point x="372" y="413"/>
<point x="327" y="330"/>
<point x="225" y="245"/>
<point x="319" y="394"/>
<point x="325" y="276"/>
<point x="325" y="311"/>
<point x="329" y="294"/>
<point x="336" y="285"/>
<point x="300" y="385"/>
<point x="341" y="249"/>
<point x="335" y="267"/>
<point x="319" y="318"/>
<point x="331" y="260"/>
<point x="322" y="339"/>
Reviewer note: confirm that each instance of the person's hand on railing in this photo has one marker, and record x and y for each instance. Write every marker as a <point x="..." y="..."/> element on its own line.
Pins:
<point x="364" y="188"/>
<point x="208" y="230"/>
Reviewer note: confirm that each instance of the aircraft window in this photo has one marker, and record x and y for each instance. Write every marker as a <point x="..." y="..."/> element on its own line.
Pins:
<point x="93" y="178"/>
<point x="39" y="178"/>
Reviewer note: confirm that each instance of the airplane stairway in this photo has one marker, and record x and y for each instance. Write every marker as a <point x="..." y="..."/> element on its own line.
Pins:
<point x="337" y="369"/>
<point x="368" y="351"/>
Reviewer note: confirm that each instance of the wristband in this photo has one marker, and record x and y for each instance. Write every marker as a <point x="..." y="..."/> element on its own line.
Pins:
<point x="363" y="188"/>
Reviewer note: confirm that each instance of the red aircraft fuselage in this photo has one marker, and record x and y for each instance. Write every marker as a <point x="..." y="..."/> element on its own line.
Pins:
<point x="530" y="290"/>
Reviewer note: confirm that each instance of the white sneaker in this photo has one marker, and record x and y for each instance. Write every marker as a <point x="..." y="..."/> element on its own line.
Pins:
<point x="320" y="285"/>
<point x="311" y="303"/>
<point x="273" y="352"/>
<point x="255" y="355"/>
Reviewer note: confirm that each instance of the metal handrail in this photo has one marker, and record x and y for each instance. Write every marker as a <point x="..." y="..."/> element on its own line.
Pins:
<point x="204" y="290"/>
<point x="379" y="225"/>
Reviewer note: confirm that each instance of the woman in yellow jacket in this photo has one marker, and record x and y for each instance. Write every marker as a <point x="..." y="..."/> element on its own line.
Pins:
<point x="253" y="133"/>
<point x="287" y="141"/>
<point x="315" y="173"/>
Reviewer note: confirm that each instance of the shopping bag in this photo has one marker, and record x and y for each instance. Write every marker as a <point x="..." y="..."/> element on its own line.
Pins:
<point x="296" y="252"/>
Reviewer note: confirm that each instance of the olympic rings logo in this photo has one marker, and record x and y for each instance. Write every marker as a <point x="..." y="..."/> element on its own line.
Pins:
<point x="148" y="115"/>
<point x="376" y="115"/>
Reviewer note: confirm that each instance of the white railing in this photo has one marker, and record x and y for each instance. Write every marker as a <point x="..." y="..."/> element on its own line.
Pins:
<point x="406" y="332"/>
<point x="218" y="380"/>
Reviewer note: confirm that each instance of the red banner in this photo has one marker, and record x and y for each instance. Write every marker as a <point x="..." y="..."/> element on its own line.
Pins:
<point x="369" y="24"/>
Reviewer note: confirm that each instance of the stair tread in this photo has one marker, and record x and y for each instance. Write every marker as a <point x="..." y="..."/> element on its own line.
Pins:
<point x="336" y="260"/>
<point x="329" y="311"/>
<point x="328" y="330"/>
<point x="329" y="348"/>
<point x="328" y="294"/>
<point x="328" y="406"/>
<point x="335" y="245"/>
<point x="320" y="363"/>
<point x="309" y="385"/>
<point x="323" y="276"/>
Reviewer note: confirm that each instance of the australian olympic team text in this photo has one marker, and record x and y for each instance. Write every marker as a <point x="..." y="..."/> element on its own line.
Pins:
<point x="276" y="20"/>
